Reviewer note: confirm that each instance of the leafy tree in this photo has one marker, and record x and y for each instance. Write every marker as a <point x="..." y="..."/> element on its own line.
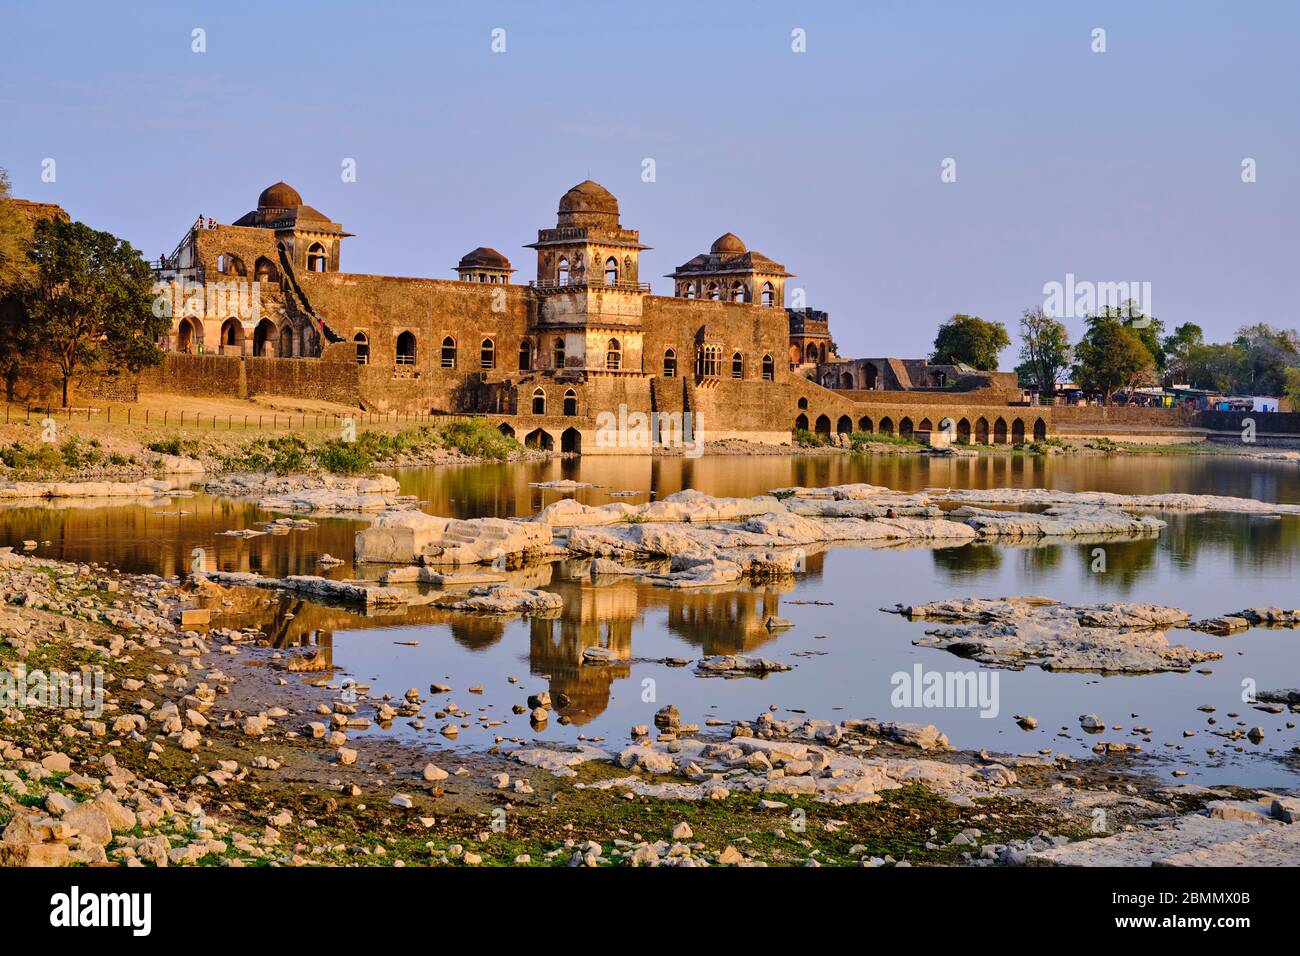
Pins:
<point x="1045" y="352"/>
<point x="1291" y="386"/>
<point x="14" y="265"/>
<point x="89" y="306"/>
<point x="1147" y="328"/>
<point x="15" y="275"/>
<point x="1267" y="354"/>
<point x="969" y="340"/>
<point x="1111" y="356"/>
<point x="1218" y="367"/>
<point x="1178" y="348"/>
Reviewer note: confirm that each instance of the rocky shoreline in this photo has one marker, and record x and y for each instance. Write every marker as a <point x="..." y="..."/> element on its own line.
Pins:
<point x="197" y="760"/>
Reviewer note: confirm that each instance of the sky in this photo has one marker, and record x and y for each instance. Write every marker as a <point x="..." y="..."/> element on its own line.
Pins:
<point x="1124" y="165"/>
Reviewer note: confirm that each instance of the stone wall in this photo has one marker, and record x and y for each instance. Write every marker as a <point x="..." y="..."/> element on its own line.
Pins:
<point x="1266" y="423"/>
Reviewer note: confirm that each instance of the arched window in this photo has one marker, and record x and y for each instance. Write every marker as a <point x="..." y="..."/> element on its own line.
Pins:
<point x="812" y="352"/>
<point x="613" y="355"/>
<point x="316" y="257"/>
<point x="406" y="348"/>
<point x="525" y="355"/>
<point x="737" y="291"/>
<point x="689" y="290"/>
<point x="713" y="292"/>
<point x="562" y="273"/>
<point x="670" y="364"/>
<point x="737" y="365"/>
<point x="184" y="336"/>
<point x="769" y="295"/>
<point x="708" y="361"/>
<point x="539" y="401"/>
<point x="570" y="402"/>
<point x="265" y="271"/>
<point x="363" y="348"/>
<point x="448" y="357"/>
<point x="232" y="265"/>
<point x="611" y="271"/>
<point x="769" y="368"/>
<point x="487" y="354"/>
<point x="557" y="352"/>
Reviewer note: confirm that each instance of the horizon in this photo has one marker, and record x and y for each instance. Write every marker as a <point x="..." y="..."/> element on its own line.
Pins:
<point x="481" y="145"/>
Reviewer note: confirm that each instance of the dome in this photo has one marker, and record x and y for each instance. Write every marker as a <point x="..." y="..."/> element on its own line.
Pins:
<point x="727" y="244"/>
<point x="279" y="196"/>
<point x="484" y="257"/>
<point x="589" y="197"/>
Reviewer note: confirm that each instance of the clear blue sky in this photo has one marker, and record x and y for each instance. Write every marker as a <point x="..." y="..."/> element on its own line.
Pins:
<point x="1119" y="166"/>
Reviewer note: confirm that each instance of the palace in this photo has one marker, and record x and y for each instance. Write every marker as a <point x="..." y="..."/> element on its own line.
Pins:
<point x="542" y="359"/>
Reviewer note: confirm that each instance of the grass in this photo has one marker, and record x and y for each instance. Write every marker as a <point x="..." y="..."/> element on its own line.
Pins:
<point x="290" y="454"/>
<point x="50" y="458"/>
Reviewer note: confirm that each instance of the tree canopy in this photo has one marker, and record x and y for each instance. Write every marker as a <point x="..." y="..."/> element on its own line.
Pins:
<point x="1045" y="351"/>
<point x="1111" y="356"/>
<point x="969" y="340"/>
<point x="89" y="304"/>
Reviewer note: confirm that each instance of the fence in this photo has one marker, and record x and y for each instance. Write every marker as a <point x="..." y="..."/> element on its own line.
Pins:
<point x="215" y="422"/>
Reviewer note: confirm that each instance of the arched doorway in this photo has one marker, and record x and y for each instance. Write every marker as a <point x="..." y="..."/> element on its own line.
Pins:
<point x="1018" y="432"/>
<point x="505" y="429"/>
<point x="232" y="337"/>
<point x="905" y="428"/>
<point x="1040" y="430"/>
<point x="886" y="426"/>
<point x="981" y="431"/>
<point x="801" y="423"/>
<point x="999" y="432"/>
<point x="540" y="438"/>
<point x="963" y="432"/>
<point x="285" y="348"/>
<point x="185" y="336"/>
<point x="871" y="375"/>
<point x="571" y="441"/>
<point x="823" y="425"/>
<point x="264" y="339"/>
<point x="846" y="380"/>
<point x="844" y="426"/>
<point x="864" y="424"/>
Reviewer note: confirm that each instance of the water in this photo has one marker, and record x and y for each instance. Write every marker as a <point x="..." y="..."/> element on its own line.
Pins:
<point x="846" y="652"/>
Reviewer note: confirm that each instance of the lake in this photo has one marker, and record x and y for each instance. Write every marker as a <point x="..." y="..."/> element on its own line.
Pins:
<point x="845" y="653"/>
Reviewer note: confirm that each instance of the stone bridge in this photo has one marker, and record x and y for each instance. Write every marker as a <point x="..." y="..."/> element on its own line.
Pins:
<point x="975" y="418"/>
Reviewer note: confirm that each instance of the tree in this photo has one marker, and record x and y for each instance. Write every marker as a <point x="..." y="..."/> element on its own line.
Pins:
<point x="1045" y="351"/>
<point x="1267" y="354"/>
<point x="1178" y="349"/>
<point x="1111" y="357"/>
<point x="1291" y="386"/>
<point x="15" y="276"/>
<point x="89" y="306"/>
<point x="1147" y="328"/>
<point x="1217" y="367"/>
<point x="969" y="340"/>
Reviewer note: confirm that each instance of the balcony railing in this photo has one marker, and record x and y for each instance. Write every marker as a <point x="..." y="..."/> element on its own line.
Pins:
<point x="619" y="286"/>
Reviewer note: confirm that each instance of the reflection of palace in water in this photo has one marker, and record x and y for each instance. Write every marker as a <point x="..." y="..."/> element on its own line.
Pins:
<point x="595" y="614"/>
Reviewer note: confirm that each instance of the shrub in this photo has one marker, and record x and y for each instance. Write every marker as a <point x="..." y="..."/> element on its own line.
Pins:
<point x="344" y="458"/>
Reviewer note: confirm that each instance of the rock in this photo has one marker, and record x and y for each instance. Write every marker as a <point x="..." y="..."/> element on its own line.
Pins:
<point x="1023" y="631"/>
<point x="347" y="756"/>
<point x="731" y="856"/>
<point x="682" y="831"/>
<point x="738" y="664"/>
<point x="433" y="774"/>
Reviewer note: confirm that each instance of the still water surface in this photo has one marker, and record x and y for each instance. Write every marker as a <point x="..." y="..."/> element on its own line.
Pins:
<point x="846" y="652"/>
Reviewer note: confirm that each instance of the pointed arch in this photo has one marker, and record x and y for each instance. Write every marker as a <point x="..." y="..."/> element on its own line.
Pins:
<point x="670" y="363"/>
<point x="539" y="401"/>
<point x="404" y="353"/>
<point x="769" y="368"/>
<point x="447" y="353"/>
